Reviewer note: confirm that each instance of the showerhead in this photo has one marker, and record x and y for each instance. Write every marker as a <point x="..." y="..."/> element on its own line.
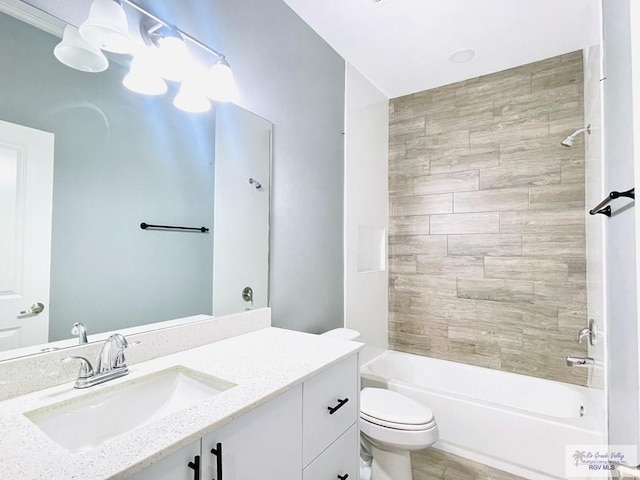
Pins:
<point x="568" y="142"/>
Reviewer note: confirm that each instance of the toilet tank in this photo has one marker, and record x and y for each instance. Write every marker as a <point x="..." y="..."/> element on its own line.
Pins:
<point x="343" y="333"/>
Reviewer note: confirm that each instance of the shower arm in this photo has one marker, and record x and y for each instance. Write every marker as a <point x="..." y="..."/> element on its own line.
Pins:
<point x="586" y="129"/>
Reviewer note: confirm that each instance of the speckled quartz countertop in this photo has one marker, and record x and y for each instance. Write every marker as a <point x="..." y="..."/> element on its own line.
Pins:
<point x="263" y="364"/>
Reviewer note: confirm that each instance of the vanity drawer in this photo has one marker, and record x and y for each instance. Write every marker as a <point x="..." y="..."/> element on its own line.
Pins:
<point x="330" y="406"/>
<point x="340" y="459"/>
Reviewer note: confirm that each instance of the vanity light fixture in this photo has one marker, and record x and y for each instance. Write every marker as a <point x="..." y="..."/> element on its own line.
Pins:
<point x="107" y="27"/>
<point x="175" y="61"/>
<point x="162" y="54"/>
<point x="75" y="52"/>
<point x="172" y="42"/>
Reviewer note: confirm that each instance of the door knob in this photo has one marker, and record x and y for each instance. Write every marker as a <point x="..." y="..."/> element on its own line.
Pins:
<point x="34" y="309"/>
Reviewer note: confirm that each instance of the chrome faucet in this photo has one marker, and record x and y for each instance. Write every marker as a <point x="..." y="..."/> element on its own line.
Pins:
<point x="80" y="331"/>
<point x="110" y="364"/>
<point x="590" y="332"/>
<point x="112" y="354"/>
<point x="580" y="361"/>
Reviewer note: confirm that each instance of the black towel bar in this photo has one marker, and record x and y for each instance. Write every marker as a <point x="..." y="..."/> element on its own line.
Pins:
<point x="144" y="226"/>
<point x="600" y="208"/>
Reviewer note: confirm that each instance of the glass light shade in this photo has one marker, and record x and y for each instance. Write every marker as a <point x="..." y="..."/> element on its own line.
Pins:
<point x="174" y="58"/>
<point x="143" y="77"/>
<point x="190" y="99"/>
<point x="75" y="52"/>
<point x="106" y="27"/>
<point x="221" y="85"/>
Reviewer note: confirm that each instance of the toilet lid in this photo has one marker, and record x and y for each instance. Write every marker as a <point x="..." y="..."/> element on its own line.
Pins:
<point x="380" y="405"/>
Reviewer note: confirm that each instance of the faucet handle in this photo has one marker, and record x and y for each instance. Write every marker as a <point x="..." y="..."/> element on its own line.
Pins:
<point x="583" y="333"/>
<point x="86" y="370"/>
<point x="590" y="332"/>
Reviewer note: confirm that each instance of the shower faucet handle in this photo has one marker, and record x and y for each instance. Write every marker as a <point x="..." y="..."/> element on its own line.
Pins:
<point x="590" y="332"/>
<point x="583" y="333"/>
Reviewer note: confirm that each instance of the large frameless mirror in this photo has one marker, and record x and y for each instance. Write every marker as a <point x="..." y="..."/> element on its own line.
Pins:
<point x="83" y="163"/>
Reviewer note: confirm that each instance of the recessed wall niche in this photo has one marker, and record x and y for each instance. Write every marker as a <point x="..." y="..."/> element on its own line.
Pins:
<point x="371" y="249"/>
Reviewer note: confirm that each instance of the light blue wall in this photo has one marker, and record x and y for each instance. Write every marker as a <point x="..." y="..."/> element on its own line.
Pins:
<point x="289" y="75"/>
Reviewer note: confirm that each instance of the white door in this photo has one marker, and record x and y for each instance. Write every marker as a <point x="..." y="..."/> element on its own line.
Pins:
<point x="26" y="189"/>
<point x="265" y="443"/>
<point x="241" y="222"/>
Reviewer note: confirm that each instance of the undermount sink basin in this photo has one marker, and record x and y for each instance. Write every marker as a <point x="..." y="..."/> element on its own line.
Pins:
<point x="86" y="422"/>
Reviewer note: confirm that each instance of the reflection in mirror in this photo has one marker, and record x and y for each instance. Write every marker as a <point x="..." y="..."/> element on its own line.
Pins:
<point x="83" y="162"/>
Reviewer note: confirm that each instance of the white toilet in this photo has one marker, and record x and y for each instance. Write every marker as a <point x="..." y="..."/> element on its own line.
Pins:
<point x="391" y="426"/>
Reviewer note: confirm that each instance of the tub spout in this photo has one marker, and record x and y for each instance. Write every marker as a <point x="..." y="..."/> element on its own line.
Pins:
<point x="580" y="361"/>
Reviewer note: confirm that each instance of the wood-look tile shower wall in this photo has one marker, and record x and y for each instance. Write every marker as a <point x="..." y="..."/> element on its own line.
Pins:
<point x="487" y="221"/>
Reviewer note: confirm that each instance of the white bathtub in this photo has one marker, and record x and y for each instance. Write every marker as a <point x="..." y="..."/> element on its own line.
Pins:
<point x="513" y="422"/>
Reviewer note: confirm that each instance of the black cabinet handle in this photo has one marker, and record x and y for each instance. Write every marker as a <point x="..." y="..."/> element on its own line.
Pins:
<point x="343" y="477"/>
<point x="195" y="465"/>
<point x="333" y="410"/>
<point x="218" y="453"/>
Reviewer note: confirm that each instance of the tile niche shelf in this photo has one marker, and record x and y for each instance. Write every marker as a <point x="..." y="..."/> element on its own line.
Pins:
<point x="371" y="249"/>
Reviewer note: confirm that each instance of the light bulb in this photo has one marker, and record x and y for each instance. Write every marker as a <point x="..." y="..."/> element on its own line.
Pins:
<point x="190" y="98"/>
<point x="143" y="76"/>
<point x="174" y="57"/>
<point x="221" y="86"/>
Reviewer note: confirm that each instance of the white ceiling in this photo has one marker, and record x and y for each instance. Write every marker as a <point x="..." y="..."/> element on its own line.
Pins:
<point x="403" y="46"/>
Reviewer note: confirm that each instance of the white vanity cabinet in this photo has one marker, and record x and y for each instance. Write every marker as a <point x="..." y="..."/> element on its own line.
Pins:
<point x="266" y="443"/>
<point x="309" y="432"/>
<point x="331" y="409"/>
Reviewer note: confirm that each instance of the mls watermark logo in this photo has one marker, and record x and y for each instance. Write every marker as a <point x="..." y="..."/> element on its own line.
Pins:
<point x="595" y="461"/>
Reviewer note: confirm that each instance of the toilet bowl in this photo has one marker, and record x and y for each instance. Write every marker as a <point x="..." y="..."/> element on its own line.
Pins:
<point x="391" y="426"/>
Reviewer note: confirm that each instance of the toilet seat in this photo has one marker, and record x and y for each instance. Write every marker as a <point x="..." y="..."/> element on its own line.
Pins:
<point x="392" y="439"/>
<point x="392" y="410"/>
<point x="396" y="426"/>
